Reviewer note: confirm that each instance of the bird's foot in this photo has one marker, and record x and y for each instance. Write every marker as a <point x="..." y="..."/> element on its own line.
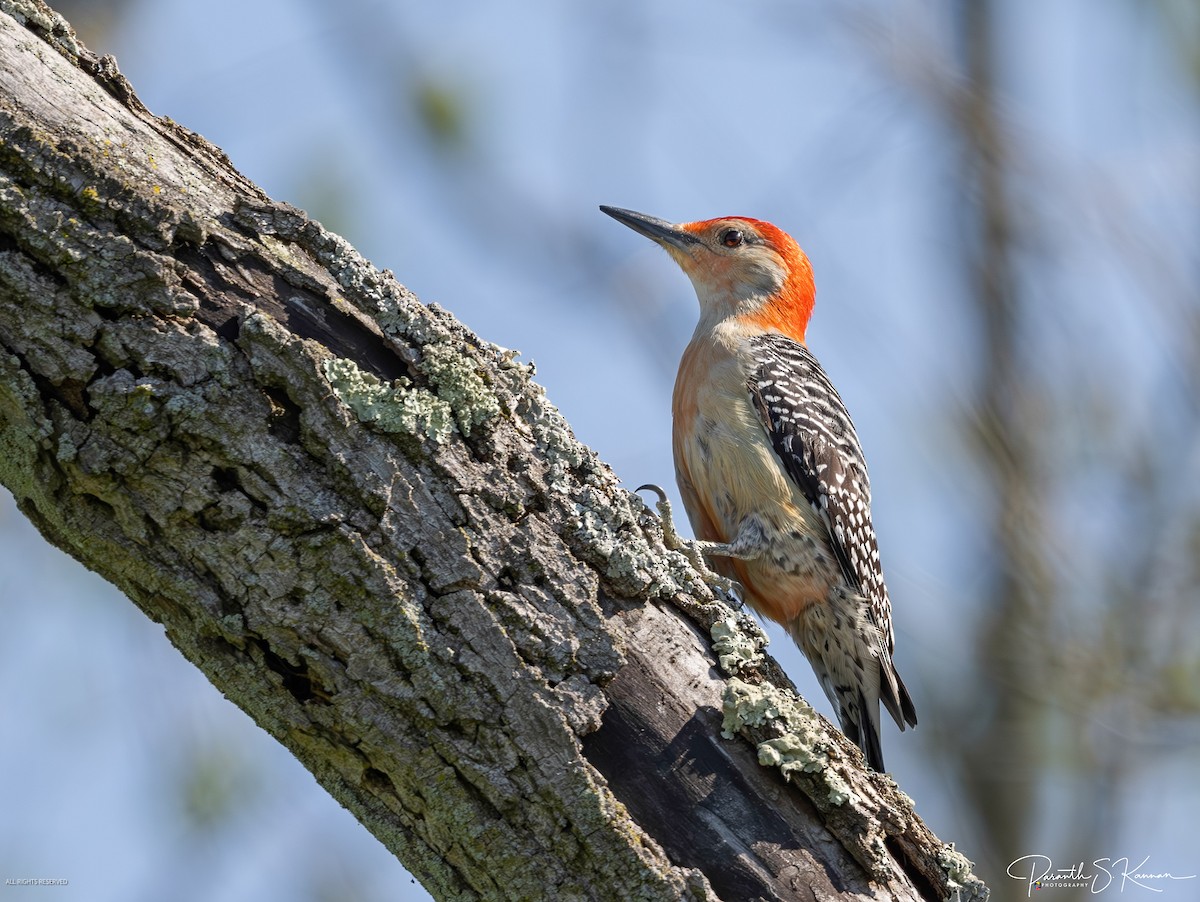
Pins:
<point x="694" y="551"/>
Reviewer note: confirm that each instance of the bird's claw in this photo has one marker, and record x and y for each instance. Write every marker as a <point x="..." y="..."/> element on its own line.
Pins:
<point x="690" y="550"/>
<point x="666" y="516"/>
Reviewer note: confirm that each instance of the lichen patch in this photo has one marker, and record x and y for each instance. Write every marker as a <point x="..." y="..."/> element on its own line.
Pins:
<point x="395" y="407"/>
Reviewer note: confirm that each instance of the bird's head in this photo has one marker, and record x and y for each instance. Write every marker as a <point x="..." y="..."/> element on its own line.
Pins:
<point x="741" y="268"/>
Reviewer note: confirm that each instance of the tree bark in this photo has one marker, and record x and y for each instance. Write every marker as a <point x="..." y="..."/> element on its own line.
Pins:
<point x="372" y="532"/>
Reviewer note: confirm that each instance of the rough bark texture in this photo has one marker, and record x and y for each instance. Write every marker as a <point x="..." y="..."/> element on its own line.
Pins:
<point x="371" y="531"/>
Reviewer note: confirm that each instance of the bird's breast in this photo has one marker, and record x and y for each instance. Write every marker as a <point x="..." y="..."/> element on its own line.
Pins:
<point x="720" y="443"/>
<point x="729" y="476"/>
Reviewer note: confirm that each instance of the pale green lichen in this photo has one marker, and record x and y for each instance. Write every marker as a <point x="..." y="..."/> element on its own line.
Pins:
<point x="553" y="438"/>
<point x="790" y="753"/>
<point x="458" y="383"/>
<point x="398" y="318"/>
<point x="736" y="646"/>
<point x="395" y="407"/>
<point x="453" y="374"/>
<point x="839" y="790"/>
<point x="751" y="705"/>
<point x="956" y="865"/>
<point x="608" y="525"/>
<point x="801" y="748"/>
<point x="963" y="884"/>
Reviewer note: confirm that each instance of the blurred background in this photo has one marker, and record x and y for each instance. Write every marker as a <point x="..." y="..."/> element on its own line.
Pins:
<point x="1001" y="201"/>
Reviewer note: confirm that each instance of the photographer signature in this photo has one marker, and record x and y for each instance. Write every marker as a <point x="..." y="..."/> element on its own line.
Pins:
<point x="1038" y="872"/>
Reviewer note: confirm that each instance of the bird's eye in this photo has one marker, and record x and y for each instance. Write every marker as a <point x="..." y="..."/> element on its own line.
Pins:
<point x="732" y="238"/>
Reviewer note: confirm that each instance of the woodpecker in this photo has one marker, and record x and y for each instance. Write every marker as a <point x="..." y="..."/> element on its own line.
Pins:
<point x="770" y="467"/>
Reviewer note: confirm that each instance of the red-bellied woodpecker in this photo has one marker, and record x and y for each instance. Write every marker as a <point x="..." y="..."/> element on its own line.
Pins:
<point x="770" y="468"/>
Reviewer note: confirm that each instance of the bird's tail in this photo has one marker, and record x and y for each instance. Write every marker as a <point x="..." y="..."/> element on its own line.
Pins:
<point x="851" y="662"/>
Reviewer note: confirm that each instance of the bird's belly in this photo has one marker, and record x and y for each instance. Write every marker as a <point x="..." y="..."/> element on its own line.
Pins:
<point x="790" y="575"/>
<point x="738" y="470"/>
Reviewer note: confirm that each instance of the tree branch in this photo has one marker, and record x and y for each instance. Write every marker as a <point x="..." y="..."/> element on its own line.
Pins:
<point x="371" y="531"/>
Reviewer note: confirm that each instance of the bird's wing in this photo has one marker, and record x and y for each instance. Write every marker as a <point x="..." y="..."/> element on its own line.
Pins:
<point x="815" y="441"/>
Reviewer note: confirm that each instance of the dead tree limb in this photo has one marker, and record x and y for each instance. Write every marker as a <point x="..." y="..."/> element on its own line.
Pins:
<point x="371" y="531"/>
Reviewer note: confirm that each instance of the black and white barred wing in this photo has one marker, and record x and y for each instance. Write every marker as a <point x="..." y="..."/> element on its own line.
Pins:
<point x="812" y="433"/>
